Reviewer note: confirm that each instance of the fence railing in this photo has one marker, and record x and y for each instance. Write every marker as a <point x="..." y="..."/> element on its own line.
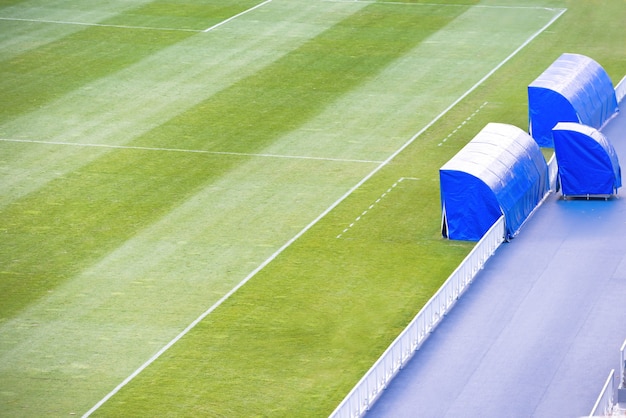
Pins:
<point x="604" y="405"/>
<point x="620" y="90"/>
<point x="622" y="365"/>
<point x="606" y="400"/>
<point x="369" y="388"/>
<point x="553" y="172"/>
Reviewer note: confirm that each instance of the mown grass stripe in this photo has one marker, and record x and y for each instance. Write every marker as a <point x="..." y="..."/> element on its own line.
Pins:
<point x="86" y="214"/>
<point x="252" y="113"/>
<point x="41" y="75"/>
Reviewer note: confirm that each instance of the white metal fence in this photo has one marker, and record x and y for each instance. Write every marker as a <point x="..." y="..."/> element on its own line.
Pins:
<point x="605" y="402"/>
<point x="369" y="388"/>
<point x="553" y="172"/>
<point x="622" y="365"/>
<point x="620" y="90"/>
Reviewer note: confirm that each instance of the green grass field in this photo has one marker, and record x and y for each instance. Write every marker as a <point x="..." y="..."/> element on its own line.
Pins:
<point x="254" y="182"/>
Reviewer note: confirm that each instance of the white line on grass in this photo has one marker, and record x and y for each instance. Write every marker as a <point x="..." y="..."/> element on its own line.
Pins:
<point x="373" y="205"/>
<point x="470" y="117"/>
<point x="236" y="16"/>
<point x="484" y="6"/>
<point x="191" y="151"/>
<point x="319" y="217"/>
<point x="61" y="22"/>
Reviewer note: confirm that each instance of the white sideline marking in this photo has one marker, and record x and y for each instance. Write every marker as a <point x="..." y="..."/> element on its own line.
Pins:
<point x="194" y="151"/>
<point x="62" y="22"/>
<point x="484" y="6"/>
<point x="377" y="201"/>
<point x="319" y="217"/>
<point x="236" y="16"/>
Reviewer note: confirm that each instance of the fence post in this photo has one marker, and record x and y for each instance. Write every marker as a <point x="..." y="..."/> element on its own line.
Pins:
<point x="413" y="336"/>
<point x="604" y="404"/>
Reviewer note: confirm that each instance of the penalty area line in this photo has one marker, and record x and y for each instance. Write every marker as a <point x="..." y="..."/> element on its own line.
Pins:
<point x="320" y="217"/>
<point x="223" y="22"/>
<point x="191" y="151"/>
<point x="100" y="25"/>
<point x="104" y="25"/>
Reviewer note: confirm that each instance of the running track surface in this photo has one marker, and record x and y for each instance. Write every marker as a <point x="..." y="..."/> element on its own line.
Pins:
<point x="539" y="330"/>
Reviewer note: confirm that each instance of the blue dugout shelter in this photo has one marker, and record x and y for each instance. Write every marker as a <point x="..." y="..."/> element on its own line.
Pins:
<point x="588" y="163"/>
<point x="574" y="88"/>
<point x="501" y="171"/>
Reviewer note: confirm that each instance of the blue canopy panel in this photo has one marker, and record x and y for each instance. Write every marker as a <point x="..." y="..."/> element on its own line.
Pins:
<point x="574" y="88"/>
<point x="587" y="161"/>
<point x="501" y="171"/>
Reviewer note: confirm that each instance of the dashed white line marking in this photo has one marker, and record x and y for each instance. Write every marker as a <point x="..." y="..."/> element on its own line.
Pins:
<point x="370" y="207"/>
<point x="470" y="117"/>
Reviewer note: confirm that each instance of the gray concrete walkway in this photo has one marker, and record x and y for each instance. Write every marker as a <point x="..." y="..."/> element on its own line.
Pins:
<point x="539" y="330"/>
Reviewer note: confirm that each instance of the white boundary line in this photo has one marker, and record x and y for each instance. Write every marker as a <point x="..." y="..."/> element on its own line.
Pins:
<point x="61" y="22"/>
<point x="236" y="16"/>
<point x="469" y="6"/>
<point x="191" y="151"/>
<point x="316" y="220"/>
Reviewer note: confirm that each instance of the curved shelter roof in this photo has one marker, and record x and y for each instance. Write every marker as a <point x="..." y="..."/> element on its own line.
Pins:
<point x="574" y="88"/>
<point x="501" y="171"/>
<point x="588" y="163"/>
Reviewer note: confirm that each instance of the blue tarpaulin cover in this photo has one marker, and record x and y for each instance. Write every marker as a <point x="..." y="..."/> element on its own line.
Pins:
<point x="574" y="88"/>
<point x="588" y="163"/>
<point x="501" y="171"/>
